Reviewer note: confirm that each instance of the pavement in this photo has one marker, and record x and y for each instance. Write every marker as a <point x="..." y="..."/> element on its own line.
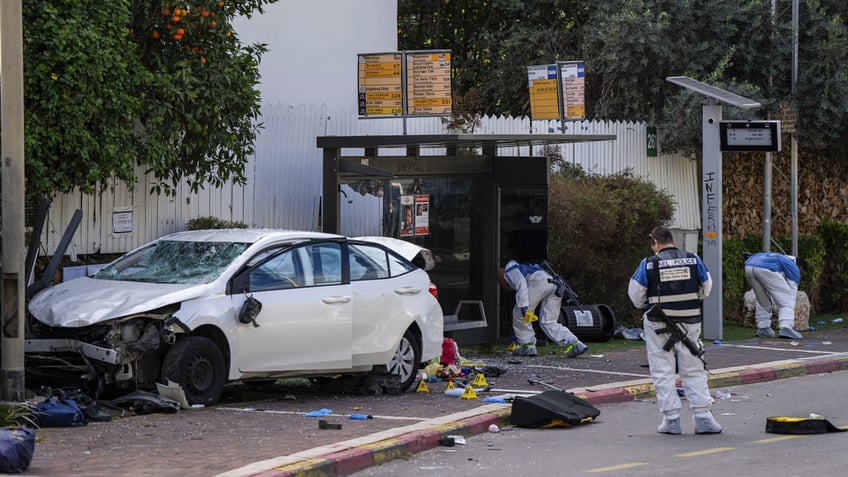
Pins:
<point x="277" y="430"/>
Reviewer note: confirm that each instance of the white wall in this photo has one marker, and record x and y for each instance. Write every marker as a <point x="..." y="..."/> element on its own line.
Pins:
<point x="312" y="47"/>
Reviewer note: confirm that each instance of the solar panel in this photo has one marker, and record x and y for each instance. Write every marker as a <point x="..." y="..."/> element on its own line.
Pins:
<point x="713" y="92"/>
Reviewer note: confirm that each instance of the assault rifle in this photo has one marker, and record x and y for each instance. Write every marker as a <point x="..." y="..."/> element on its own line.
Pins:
<point x="561" y="284"/>
<point x="677" y="332"/>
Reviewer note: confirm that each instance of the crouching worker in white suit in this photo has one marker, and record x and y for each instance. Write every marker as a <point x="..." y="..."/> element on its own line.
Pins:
<point x="534" y="287"/>
<point x="774" y="277"/>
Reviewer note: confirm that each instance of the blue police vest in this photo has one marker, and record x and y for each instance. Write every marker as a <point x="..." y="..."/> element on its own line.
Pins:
<point x="678" y="284"/>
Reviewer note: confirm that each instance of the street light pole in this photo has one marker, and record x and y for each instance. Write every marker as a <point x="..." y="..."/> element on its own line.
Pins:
<point x="12" y="284"/>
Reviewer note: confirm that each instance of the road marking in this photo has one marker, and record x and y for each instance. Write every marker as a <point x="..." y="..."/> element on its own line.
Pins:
<point x="595" y="371"/>
<point x="301" y="413"/>
<point x="714" y="450"/>
<point x="777" y="439"/>
<point x="616" y="467"/>
<point x="769" y="348"/>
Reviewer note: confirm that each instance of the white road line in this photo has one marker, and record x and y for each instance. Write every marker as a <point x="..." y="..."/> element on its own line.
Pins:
<point x="595" y="371"/>
<point x="303" y="413"/>
<point x="792" y="350"/>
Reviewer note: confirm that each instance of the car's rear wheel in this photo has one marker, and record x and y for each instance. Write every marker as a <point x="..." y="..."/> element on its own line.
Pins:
<point x="196" y="364"/>
<point x="406" y="360"/>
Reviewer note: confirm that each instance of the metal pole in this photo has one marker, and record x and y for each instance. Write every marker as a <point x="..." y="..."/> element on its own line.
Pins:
<point x="711" y="219"/>
<point x="767" y="173"/>
<point x="13" y="283"/>
<point x="793" y="143"/>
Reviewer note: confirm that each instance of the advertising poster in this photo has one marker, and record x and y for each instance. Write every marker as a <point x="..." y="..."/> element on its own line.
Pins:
<point x="422" y="215"/>
<point x="414" y="215"/>
<point x="407" y="215"/>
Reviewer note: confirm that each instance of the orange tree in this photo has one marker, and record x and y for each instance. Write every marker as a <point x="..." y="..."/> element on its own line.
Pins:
<point x="165" y="84"/>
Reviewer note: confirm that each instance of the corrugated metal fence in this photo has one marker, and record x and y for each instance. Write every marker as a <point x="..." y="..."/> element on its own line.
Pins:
<point x="283" y="188"/>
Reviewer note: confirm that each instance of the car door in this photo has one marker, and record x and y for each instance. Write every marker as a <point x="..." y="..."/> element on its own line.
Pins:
<point x="386" y="300"/>
<point x="306" y="318"/>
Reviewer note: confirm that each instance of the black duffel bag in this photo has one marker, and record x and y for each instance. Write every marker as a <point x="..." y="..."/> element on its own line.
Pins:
<point x="552" y="409"/>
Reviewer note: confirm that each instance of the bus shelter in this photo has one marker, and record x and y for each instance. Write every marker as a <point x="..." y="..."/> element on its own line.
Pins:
<point x="471" y="206"/>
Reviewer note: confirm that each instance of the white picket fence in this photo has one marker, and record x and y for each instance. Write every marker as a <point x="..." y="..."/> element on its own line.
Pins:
<point x="283" y="188"/>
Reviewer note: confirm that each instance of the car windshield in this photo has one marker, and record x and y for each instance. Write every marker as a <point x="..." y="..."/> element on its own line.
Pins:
<point x="174" y="262"/>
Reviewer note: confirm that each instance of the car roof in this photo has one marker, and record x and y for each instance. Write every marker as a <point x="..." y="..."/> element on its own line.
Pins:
<point x="251" y="235"/>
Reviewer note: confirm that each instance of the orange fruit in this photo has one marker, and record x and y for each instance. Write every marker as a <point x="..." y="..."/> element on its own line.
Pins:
<point x="212" y="24"/>
<point x="155" y="35"/>
<point x="221" y="4"/>
<point x="180" y="31"/>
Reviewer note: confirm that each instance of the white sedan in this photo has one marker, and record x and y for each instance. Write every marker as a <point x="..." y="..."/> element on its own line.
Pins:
<point x="201" y="308"/>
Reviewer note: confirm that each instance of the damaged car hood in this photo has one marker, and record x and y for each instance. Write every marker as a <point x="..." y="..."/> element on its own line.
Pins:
<point x="86" y="301"/>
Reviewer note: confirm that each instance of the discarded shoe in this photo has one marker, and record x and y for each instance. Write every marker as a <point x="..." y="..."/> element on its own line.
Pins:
<point x="706" y="423"/>
<point x="575" y="349"/>
<point x="765" y="333"/>
<point x="789" y="334"/>
<point x="525" y="350"/>
<point x="669" y="426"/>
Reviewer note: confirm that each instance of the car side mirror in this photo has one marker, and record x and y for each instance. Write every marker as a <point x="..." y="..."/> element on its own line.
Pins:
<point x="240" y="283"/>
<point x="249" y="311"/>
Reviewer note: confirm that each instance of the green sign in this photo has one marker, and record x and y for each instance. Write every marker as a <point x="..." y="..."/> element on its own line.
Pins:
<point x="651" y="140"/>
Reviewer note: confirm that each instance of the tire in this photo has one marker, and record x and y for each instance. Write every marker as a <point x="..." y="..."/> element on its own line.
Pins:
<point x="196" y="364"/>
<point x="406" y="361"/>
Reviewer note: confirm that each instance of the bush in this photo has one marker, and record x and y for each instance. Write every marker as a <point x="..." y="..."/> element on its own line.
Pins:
<point x="203" y="223"/>
<point x="597" y="234"/>
<point x="833" y="286"/>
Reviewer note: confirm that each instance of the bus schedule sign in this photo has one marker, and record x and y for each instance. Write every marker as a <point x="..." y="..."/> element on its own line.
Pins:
<point x="414" y="83"/>
<point x="380" y="86"/>
<point x="749" y="136"/>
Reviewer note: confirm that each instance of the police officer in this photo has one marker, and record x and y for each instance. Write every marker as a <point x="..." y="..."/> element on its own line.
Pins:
<point x="535" y="287"/>
<point x="676" y="281"/>
<point x="774" y="277"/>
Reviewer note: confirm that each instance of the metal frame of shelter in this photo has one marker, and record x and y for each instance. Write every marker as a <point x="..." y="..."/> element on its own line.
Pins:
<point x="466" y="155"/>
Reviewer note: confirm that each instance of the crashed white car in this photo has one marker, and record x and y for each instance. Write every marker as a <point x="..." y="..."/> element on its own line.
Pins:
<point x="201" y="308"/>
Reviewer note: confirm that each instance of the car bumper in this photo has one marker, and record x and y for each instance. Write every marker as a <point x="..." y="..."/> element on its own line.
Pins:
<point x="99" y="353"/>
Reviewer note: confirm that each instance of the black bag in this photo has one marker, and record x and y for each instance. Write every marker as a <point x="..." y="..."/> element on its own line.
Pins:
<point x="552" y="409"/>
<point x="16" y="449"/>
<point x="58" y="412"/>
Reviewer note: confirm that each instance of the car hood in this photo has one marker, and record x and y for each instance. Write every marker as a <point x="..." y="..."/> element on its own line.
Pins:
<point x="85" y="301"/>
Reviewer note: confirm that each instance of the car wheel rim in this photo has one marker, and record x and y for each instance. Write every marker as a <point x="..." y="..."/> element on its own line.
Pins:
<point x="403" y="360"/>
<point x="199" y="373"/>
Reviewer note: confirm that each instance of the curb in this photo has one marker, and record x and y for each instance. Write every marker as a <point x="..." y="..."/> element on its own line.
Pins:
<point x="411" y="440"/>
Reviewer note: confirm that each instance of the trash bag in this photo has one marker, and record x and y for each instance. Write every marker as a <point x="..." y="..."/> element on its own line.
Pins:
<point x="58" y="412"/>
<point x="552" y="408"/>
<point x="16" y="449"/>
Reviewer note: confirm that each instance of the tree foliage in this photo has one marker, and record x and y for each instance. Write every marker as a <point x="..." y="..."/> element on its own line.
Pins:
<point x="598" y="232"/>
<point x="630" y="47"/>
<point x="164" y="84"/>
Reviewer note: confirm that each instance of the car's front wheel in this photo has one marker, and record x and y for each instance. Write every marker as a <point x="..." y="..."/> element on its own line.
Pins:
<point x="406" y="360"/>
<point x="196" y="364"/>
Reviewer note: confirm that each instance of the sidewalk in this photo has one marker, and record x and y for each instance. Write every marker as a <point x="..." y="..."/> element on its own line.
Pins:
<point x="269" y="433"/>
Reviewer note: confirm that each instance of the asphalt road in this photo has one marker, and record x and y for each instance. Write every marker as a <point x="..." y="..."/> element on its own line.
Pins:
<point x="253" y="425"/>
<point x="623" y="440"/>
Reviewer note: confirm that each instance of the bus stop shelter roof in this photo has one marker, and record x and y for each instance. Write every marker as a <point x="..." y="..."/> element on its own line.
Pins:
<point x="457" y="140"/>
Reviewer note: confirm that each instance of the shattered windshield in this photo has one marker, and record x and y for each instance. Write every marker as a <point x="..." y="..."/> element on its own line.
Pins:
<point x="174" y="262"/>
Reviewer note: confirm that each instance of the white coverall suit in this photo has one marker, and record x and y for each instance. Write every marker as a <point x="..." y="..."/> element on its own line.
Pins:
<point x="532" y="289"/>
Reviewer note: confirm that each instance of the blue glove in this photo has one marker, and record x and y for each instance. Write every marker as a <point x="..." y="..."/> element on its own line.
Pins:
<point x="523" y="310"/>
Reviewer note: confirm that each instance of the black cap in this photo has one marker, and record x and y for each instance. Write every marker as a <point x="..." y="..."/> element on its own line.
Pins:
<point x="662" y="235"/>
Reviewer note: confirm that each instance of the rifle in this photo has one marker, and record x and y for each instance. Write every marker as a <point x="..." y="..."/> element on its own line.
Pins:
<point x="678" y="333"/>
<point x="561" y="284"/>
